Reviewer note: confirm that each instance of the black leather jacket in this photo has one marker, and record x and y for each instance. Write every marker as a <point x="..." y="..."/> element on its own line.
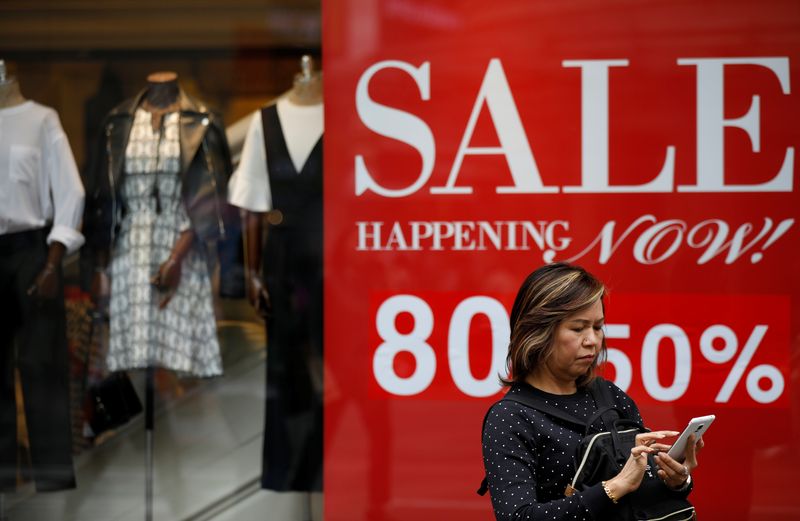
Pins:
<point x="205" y="170"/>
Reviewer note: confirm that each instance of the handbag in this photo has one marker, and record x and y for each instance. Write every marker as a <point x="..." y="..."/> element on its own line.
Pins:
<point x="112" y="402"/>
<point x="601" y="454"/>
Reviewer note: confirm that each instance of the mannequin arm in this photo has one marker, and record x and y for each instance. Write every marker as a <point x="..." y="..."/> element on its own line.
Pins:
<point x="46" y="284"/>
<point x="169" y="273"/>
<point x="256" y="292"/>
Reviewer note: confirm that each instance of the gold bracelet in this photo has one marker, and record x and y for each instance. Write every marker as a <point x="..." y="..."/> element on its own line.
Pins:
<point x="608" y="492"/>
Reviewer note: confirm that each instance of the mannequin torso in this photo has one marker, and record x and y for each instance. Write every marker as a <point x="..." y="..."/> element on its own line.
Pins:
<point x="302" y="127"/>
<point x="301" y="113"/>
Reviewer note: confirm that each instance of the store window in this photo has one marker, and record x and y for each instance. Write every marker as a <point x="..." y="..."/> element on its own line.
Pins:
<point x="105" y="429"/>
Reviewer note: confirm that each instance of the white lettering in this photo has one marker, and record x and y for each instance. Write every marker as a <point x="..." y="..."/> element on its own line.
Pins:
<point x="395" y="124"/>
<point x="655" y="242"/>
<point x="366" y="236"/>
<point x="644" y="250"/>
<point x="420" y="230"/>
<point x="497" y="96"/>
<point x="606" y="239"/>
<point x="594" y="135"/>
<point x="396" y="240"/>
<point x="711" y="123"/>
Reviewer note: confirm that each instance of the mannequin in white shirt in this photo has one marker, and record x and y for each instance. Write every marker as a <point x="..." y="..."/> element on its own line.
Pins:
<point x="46" y="283"/>
<point x="41" y="204"/>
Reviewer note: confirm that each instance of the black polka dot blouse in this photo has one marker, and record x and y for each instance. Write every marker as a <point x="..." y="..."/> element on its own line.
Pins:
<point x="528" y="458"/>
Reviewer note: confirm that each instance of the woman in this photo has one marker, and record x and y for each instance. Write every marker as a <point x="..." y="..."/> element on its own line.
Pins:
<point x="556" y="343"/>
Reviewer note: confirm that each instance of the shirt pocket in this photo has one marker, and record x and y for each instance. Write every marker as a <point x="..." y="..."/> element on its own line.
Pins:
<point x="24" y="163"/>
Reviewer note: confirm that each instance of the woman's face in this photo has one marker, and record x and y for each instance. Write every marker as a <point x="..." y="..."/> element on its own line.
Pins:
<point x="577" y="343"/>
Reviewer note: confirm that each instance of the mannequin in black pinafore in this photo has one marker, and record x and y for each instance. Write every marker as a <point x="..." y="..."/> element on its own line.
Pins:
<point x="292" y="270"/>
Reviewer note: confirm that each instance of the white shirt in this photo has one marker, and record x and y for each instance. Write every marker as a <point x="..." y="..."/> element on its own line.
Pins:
<point x="39" y="181"/>
<point x="302" y="126"/>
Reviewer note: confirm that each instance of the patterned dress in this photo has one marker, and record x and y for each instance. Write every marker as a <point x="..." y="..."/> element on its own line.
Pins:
<point x="183" y="335"/>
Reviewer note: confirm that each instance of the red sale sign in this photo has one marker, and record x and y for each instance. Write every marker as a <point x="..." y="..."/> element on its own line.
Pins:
<point x="468" y="144"/>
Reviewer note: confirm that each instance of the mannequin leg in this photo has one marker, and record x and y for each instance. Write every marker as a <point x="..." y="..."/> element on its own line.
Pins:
<point x="9" y="320"/>
<point x="43" y="360"/>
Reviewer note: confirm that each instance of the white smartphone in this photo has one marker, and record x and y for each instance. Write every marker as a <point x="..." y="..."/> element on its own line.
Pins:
<point x="697" y="426"/>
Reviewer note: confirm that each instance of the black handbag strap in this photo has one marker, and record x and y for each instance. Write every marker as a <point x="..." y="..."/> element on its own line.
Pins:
<point x="601" y="394"/>
<point x="615" y="422"/>
<point x="604" y="413"/>
<point x="537" y="403"/>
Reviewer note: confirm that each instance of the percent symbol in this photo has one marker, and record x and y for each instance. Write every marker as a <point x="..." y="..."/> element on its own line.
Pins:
<point x="728" y="352"/>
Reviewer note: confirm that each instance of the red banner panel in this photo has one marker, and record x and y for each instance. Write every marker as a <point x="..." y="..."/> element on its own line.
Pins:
<point x="467" y="143"/>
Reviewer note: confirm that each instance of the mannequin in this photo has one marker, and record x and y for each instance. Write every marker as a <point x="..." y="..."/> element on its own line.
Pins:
<point x="152" y="214"/>
<point x="41" y="202"/>
<point x="281" y="173"/>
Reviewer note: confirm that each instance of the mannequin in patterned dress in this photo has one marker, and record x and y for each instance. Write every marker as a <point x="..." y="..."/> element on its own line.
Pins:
<point x="161" y="302"/>
<point x="161" y="200"/>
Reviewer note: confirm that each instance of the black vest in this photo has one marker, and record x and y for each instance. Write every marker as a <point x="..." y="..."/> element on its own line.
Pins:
<point x="294" y="239"/>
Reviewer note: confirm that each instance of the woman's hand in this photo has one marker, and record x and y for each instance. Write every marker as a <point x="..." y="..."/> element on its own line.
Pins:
<point x="630" y="477"/>
<point x="167" y="279"/>
<point x="672" y="472"/>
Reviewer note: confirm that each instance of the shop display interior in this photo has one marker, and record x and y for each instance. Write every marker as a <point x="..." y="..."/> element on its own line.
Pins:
<point x="202" y="459"/>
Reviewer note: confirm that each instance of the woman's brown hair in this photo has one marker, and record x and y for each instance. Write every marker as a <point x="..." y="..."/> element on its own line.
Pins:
<point x="545" y="299"/>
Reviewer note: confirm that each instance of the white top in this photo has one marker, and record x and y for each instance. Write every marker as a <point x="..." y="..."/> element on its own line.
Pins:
<point x="302" y="127"/>
<point x="39" y="181"/>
